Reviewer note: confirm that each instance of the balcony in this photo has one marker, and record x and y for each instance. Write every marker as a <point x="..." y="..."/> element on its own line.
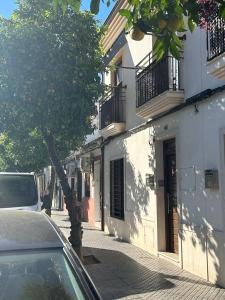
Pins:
<point x="159" y="85"/>
<point x="112" y="112"/>
<point x="216" y="48"/>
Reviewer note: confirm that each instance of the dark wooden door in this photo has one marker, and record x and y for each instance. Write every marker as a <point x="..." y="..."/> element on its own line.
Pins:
<point x="172" y="220"/>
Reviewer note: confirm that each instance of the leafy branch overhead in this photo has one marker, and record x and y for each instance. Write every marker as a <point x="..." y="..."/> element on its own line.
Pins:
<point x="165" y="19"/>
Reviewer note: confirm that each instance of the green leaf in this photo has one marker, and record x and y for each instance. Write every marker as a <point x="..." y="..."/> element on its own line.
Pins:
<point x="177" y="41"/>
<point x="55" y="4"/>
<point x="222" y="11"/>
<point x="158" y="45"/>
<point x="174" y="50"/>
<point x="125" y="13"/>
<point x="108" y="3"/>
<point x="64" y="5"/>
<point x="94" y="6"/>
<point x="159" y="49"/>
<point x="191" y="24"/>
<point x="75" y="4"/>
<point x="160" y="54"/>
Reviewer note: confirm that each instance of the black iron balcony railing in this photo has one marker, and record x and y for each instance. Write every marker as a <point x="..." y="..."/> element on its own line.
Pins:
<point x="112" y="107"/>
<point x="153" y="77"/>
<point x="215" y="38"/>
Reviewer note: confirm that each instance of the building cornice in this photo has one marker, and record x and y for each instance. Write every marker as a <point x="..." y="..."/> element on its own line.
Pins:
<point x="115" y="24"/>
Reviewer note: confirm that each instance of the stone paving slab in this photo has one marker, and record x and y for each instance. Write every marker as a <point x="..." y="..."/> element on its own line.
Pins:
<point x="128" y="272"/>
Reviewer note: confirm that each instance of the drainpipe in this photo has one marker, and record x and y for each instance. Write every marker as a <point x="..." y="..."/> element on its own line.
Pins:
<point x="102" y="187"/>
<point x="102" y="181"/>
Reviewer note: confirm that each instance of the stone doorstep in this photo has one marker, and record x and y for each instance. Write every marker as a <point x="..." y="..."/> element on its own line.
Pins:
<point x="170" y="257"/>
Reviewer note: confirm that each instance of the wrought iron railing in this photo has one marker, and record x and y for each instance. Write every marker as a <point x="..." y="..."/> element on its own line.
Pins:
<point x="155" y="77"/>
<point x="112" y="107"/>
<point x="215" y="38"/>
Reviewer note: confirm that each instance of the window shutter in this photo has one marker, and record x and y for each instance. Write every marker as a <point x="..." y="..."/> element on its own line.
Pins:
<point x="117" y="188"/>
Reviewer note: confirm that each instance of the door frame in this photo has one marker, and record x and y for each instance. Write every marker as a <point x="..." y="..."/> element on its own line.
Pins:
<point x="159" y="138"/>
<point x="168" y="237"/>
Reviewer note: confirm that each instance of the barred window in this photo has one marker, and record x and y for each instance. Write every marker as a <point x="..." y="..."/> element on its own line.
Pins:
<point x="117" y="188"/>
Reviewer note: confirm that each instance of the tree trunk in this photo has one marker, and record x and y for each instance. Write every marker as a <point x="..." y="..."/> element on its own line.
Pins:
<point x="51" y="188"/>
<point x="76" y="229"/>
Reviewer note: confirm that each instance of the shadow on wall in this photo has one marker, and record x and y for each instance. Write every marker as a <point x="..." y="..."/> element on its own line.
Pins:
<point x="202" y="210"/>
<point x="137" y="201"/>
<point x="136" y="195"/>
<point x="86" y="206"/>
<point x="203" y="242"/>
<point x="200" y="237"/>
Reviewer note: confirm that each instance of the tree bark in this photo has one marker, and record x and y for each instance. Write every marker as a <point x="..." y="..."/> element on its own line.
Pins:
<point x="75" y="237"/>
<point x="51" y="188"/>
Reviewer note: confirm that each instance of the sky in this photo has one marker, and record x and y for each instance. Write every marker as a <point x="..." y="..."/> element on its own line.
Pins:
<point x="7" y="7"/>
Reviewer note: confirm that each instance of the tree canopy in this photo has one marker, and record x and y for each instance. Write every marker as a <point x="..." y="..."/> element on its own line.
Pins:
<point x="22" y="153"/>
<point x="166" y="19"/>
<point x="49" y="72"/>
<point x="50" y="61"/>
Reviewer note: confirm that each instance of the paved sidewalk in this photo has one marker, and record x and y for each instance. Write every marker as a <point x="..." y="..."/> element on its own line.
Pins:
<point x="127" y="272"/>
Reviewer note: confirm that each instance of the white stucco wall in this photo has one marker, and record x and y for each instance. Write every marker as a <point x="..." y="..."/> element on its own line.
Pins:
<point x="196" y="78"/>
<point x="199" y="147"/>
<point x="131" y="53"/>
<point x="139" y="205"/>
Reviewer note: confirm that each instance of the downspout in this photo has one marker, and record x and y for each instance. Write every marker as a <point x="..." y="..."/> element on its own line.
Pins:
<point x="102" y="181"/>
<point x="102" y="187"/>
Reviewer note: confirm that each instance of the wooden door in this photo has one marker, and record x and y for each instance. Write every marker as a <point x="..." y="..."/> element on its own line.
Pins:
<point x="172" y="220"/>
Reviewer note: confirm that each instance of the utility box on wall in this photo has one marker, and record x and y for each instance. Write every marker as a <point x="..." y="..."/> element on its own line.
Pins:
<point x="211" y="179"/>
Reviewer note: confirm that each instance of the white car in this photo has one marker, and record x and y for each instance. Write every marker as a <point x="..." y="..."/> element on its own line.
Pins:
<point x="37" y="262"/>
<point x="18" y="191"/>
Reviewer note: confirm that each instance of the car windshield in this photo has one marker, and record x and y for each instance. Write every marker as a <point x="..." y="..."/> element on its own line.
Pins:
<point x="17" y="191"/>
<point x="38" y="275"/>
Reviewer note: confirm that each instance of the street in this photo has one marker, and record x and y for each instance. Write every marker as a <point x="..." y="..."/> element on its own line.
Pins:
<point x="123" y="271"/>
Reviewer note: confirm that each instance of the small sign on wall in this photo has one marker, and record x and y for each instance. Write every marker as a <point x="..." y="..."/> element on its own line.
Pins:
<point x="211" y="179"/>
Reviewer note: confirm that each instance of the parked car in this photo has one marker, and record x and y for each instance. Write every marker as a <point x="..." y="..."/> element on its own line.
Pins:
<point x="37" y="262"/>
<point x="19" y="191"/>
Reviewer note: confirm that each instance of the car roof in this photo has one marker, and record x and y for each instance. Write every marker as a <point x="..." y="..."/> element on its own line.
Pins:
<point x="27" y="230"/>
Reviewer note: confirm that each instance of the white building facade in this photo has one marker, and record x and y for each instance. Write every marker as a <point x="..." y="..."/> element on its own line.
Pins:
<point x="163" y="149"/>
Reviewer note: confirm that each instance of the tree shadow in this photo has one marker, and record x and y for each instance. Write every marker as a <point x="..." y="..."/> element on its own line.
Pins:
<point x="201" y="208"/>
<point x="136" y="203"/>
<point x="118" y="275"/>
<point x="137" y="225"/>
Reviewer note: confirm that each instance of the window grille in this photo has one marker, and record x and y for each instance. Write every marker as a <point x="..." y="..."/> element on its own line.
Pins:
<point x="117" y="188"/>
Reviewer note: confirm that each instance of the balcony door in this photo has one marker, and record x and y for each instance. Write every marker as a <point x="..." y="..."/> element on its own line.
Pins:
<point x="172" y="220"/>
<point x="117" y="75"/>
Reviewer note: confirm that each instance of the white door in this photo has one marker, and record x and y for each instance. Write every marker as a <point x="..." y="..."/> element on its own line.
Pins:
<point x="97" y="191"/>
